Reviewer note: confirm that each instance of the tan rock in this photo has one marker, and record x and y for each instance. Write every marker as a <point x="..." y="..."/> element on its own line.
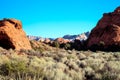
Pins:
<point x="12" y="35"/>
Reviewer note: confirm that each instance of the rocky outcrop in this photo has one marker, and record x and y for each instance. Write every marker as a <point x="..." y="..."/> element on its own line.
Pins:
<point x="106" y="35"/>
<point x="12" y="35"/>
<point x="62" y="40"/>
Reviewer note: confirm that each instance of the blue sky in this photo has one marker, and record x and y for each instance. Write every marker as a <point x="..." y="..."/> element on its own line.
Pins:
<point x="55" y="18"/>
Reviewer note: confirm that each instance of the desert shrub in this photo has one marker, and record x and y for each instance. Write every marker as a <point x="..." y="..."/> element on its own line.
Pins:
<point x="94" y="47"/>
<point x="55" y="74"/>
<point x="113" y="48"/>
<point x="20" y="70"/>
<point x="76" y="45"/>
<point x="1" y="49"/>
<point x="57" y="58"/>
<point x="40" y="49"/>
<point x="71" y="56"/>
<point x="72" y="65"/>
<point x="59" y="64"/>
<point x="76" y="75"/>
<point x="36" y="52"/>
<point x="67" y="46"/>
<point x="98" y="76"/>
<point x="82" y="64"/>
<point x="13" y="67"/>
<point x="111" y="71"/>
<point x="62" y="45"/>
<point x="101" y="46"/>
<point x="39" y="46"/>
<point x="116" y="56"/>
<point x="109" y="76"/>
<point x="98" y="46"/>
<point x="56" y="44"/>
<point x="81" y="56"/>
<point x="89" y="73"/>
<point x="95" y="64"/>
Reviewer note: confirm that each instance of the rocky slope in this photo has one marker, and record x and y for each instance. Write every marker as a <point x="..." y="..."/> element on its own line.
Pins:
<point x="106" y="34"/>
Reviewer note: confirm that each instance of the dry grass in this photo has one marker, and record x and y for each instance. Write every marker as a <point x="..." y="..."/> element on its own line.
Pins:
<point x="59" y="64"/>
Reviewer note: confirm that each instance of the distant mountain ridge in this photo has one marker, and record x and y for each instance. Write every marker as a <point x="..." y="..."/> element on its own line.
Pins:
<point x="34" y="37"/>
<point x="81" y="37"/>
<point x="38" y="38"/>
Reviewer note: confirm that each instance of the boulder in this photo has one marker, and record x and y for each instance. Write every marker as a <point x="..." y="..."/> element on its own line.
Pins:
<point x="12" y="35"/>
<point x="106" y="34"/>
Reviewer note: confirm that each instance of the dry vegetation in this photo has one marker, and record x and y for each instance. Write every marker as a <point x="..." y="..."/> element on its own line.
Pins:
<point x="58" y="64"/>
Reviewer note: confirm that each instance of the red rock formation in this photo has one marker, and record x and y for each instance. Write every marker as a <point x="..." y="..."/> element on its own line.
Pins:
<point x="107" y="31"/>
<point x="12" y="35"/>
<point x="62" y="40"/>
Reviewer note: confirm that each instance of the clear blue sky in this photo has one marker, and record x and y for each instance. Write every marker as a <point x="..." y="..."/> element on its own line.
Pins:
<point x="55" y="18"/>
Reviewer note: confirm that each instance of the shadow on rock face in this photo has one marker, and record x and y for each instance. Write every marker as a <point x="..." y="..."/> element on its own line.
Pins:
<point x="5" y="43"/>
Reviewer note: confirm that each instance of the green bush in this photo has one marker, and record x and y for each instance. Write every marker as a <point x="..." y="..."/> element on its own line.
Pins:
<point x="56" y="44"/>
<point x="13" y="67"/>
<point x="67" y="46"/>
<point x="19" y="70"/>
<point x="109" y="76"/>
